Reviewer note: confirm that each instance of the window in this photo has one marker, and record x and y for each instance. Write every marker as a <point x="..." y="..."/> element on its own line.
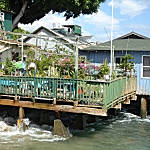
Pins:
<point x="146" y="66"/>
<point x="117" y="61"/>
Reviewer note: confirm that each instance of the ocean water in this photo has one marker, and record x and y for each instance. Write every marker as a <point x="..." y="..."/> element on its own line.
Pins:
<point x="124" y="132"/>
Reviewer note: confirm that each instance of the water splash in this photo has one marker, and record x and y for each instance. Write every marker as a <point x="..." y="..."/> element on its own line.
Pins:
<point x="12" y="133"/>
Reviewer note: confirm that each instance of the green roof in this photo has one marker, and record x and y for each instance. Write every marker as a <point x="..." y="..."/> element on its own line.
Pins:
<point x="122" y="44"/>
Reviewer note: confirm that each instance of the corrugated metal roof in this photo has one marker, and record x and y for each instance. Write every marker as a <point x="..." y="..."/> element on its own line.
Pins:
<point x="132" y="35"/>
<point x="123" y="44"/>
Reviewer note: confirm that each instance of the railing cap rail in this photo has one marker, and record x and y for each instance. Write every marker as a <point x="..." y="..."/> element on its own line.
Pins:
<point x="92" y="81"/>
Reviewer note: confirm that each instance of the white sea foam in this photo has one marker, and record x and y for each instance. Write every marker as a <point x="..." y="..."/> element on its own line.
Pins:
<point x="131" y="116"/>
<point x="128" y="117"/>
<point x="9" y="133"/>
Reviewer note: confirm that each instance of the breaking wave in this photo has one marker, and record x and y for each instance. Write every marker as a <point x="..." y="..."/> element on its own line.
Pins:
<point x="10" y="133"/>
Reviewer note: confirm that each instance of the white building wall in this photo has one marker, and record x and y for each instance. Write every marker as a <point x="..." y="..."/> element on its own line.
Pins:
<point x="47" y="42"/>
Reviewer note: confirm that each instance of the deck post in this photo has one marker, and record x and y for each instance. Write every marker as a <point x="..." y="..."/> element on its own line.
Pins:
<point x="21" y="113"/>
<point x="143" y="107"/>
<point x="15" y="98"/>
<point x="20" y="122"/>
<point x="81" y="121"/>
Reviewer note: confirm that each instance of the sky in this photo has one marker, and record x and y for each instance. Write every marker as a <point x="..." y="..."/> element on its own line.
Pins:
<point x="129" y="15"/>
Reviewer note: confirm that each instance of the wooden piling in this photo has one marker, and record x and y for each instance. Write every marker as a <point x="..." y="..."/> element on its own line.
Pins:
<point x="143" y="107"/>
<point x="21" y="113"/>
<point x="20" y="123"/>
<point x="81" y="121"/>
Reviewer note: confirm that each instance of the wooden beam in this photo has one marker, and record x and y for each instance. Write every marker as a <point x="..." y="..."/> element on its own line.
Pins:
<point x="143" y="107"/>
<point x="61" y="108"/>
<point x="127" y="101"/>
<point x="117" y="106"/>
<point x="134" y="97"/>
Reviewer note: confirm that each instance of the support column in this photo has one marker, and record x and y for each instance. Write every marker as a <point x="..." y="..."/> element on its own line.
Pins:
<point x="143" y="107"/>
<point x="60" y="129"/>
<point x="81" y="121"/>
<point x="20" y="123"/>
<point x="21" y="113"/>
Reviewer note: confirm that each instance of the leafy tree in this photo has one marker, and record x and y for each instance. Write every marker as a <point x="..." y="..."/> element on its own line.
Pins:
<point x="27" y="11"/>
<point x="4" y="5"/>
<point x="9" y="67"/>
<point x="19" y="30"/>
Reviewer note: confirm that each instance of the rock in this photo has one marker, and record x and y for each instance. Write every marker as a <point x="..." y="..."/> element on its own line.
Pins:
<point x="10" y="120"/>
<point x="5" y="127"/>
<point x="1" y="119"/>
<point x="34" y="126"/>
<point x="46" y="127"/>
<point x="60" y="130"/>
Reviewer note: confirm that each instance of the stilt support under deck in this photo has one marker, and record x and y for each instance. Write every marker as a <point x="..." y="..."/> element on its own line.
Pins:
<point x="21" y="113"/>
<point x="143" y="107"/>
<point x="20" y="123"/>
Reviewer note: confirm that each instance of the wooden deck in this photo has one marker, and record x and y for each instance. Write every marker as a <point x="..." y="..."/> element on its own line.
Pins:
<point x="66" y="95"/>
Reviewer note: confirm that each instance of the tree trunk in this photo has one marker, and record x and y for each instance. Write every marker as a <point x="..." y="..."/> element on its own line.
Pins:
<point x="20" y="14"/>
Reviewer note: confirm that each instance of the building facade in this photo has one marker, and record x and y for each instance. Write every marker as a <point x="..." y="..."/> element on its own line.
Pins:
<point x="133" y="43"/>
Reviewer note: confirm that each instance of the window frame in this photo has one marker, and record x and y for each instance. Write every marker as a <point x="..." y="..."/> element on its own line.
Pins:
<point x="143" y="67"/>
<point x="116" y="64"/>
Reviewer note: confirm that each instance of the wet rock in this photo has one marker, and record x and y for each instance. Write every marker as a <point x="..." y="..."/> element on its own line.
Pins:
<point x="34" y="126"/>
<point x="46" y="127"/>
<point x="60" y="130"/>
<point x="10" y="120"/>
<point x="1" y="119"/>
<point x="5" y="127"/>
<point x="33" y="116"/>
<point x="4" y="114"/>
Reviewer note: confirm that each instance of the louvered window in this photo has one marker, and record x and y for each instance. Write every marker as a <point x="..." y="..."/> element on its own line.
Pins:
<point x="146" y="66"/>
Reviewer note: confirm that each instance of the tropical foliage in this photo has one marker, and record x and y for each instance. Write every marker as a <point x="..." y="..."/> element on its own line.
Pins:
<point x="19" y="30"/>
<point x="104" y="69"/>
<point x="127" y="64"/>
<point x="9" y="67"/>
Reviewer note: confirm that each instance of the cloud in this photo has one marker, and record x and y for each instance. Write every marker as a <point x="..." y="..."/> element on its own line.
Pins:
<point x="48" y="21"/>
<point x="98" y="22"/>
<point x="131" y="8"/>
<point x="140" y="27"/>
<point x="99" y="25"/>
<point x="101" y="19"/>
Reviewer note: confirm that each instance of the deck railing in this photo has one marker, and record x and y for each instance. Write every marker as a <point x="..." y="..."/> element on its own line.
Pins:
<point x="86" y="92"/>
